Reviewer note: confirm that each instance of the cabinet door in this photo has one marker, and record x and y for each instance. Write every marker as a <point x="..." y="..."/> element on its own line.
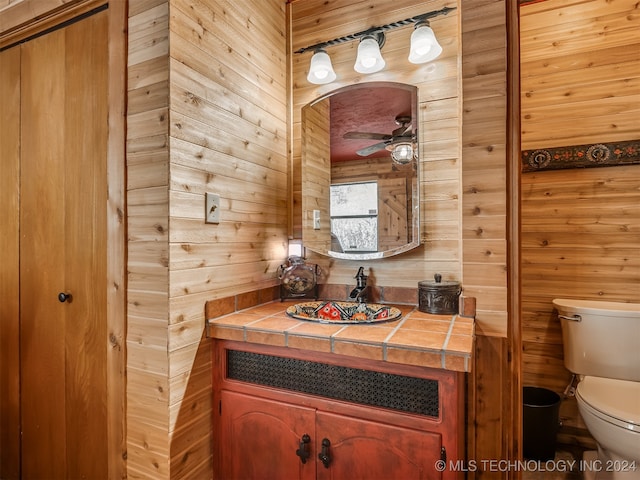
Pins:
<point x="361" y="449"/>
<point x="259" y="438"/>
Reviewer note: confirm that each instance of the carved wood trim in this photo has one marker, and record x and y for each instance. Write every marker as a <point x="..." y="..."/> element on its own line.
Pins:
<point x="581" y="156"/>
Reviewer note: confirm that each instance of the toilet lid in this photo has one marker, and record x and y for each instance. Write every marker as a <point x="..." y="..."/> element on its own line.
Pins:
<point x="619" y="399"/>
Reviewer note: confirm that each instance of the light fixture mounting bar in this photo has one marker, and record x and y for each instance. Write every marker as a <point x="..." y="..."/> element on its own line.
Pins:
<point x="374" y="30"/>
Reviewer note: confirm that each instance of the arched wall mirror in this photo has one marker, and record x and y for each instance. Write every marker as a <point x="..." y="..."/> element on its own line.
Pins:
<point x="360" y="161"/>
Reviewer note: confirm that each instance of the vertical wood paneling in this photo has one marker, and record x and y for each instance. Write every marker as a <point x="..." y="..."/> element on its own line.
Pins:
<point x="116" y="241"/>
<point x="43" y="429"/>
<point x="19" y="20"/>
<point x="317" y="174"/>
<point x="10" y="259"/>
<point x="580" y="227"/>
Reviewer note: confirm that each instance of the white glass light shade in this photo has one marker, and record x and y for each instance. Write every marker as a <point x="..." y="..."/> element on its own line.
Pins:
<point x="320" y="69"/>
<point x="424" y="45"/>
<point x="402" y="153"/>
<point x="369" y="58"/>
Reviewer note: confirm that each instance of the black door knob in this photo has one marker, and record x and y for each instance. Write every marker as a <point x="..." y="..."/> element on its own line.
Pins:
<point x="64" y="297"/>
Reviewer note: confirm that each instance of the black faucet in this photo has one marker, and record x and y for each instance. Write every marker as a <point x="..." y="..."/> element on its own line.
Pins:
<point x="359" y="293"/>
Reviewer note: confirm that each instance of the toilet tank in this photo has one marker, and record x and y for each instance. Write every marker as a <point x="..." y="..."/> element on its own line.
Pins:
<point x="600" y="338"/>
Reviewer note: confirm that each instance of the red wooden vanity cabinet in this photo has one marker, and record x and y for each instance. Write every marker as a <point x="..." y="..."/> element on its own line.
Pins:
<point x="330" y="416"/>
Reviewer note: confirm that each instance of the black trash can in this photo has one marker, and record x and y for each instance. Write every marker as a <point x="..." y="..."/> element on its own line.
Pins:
<point x="541" y="421"/>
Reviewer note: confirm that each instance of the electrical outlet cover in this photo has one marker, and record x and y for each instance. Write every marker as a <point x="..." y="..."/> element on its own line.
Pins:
<point x="212" y="208"/>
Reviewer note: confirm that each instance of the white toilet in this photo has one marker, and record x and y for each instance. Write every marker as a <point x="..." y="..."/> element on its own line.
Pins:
<point x="602" y="346"/>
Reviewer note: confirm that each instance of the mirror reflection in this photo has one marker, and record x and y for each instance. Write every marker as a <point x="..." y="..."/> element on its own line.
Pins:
<point x="360" y="160"/>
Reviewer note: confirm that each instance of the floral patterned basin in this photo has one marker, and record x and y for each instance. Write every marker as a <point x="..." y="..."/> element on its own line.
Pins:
<point x="343" y="312"/>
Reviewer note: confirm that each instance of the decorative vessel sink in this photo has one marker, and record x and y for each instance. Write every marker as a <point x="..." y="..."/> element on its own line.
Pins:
<point x="343" y="312"/>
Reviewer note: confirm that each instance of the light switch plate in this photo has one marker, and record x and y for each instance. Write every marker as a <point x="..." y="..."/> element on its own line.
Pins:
<point x="212" y="208"/>
<point x="316" y="219"/>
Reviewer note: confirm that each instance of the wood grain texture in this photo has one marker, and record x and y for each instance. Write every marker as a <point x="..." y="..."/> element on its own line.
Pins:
<point x="10" y="260"/>
<point x="228" y="136"/>
<point x="64" y="249"/>
<point x="463" y="177"/>
<point x="438" y="85"/>
<point x="147" y="225"/>
<point x="20" y="20"/>
<point x="43" y="255"/>
<point x="116" y="241"/>
<point x="580" y="227"/>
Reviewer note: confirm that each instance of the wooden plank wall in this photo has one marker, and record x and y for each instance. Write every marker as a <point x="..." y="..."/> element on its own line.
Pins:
<point x="580" y="227"/>
<point x="463" y="173"/>
<point x="228" y="135"/>
<point x="207" y="114"/>
<point x="492" y="428"/>
<point x="148" y="390"/>
<point x="316" y="21"/>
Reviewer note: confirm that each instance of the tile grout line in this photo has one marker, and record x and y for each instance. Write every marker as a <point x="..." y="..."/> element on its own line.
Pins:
<point x="443" y="351"/>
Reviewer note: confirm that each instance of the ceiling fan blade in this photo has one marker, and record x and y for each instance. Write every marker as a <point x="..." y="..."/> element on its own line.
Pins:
<point x="366" y="136"/>
<point x="363" y="152"/>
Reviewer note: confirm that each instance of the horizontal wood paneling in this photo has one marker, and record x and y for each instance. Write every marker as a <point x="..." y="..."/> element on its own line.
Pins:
<point x="227" y="128"/>
<point x="439" y="110"/>
<point x="484" y="136"/>
<point x="463" y="163"/>
<point x="579" y="92"/>
<point x="484" y="214"/>
<point x="148" y="214"/>
<point x="580" y="227"/>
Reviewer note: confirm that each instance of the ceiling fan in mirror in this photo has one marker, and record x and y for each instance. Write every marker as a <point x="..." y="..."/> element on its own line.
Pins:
<point x="400" y="142"/>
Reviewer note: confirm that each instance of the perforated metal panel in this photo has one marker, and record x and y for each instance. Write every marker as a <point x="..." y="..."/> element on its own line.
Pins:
<point x="397" y="392"/>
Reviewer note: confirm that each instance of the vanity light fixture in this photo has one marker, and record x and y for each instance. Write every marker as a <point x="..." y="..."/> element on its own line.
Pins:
<point x="321" y="70"/>
<point x="424" y="47"/>
<point x="369" y="59"/>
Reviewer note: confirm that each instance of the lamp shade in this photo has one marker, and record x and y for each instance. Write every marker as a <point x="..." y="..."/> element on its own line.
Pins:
<point x="424" y="45"/>
<point x="320" y="69"/>
<point x="369" y="58"/>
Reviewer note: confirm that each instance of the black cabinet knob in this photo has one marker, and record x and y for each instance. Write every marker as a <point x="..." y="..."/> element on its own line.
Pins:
<point x="64" y="297"/>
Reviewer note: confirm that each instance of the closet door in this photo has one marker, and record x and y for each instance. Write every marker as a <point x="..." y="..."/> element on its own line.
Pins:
<point x="9" y="263"/>
<point x="63" y="252"/>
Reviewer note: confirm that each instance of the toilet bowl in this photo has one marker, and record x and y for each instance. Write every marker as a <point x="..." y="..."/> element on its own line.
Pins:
<point x="610" y="409"/>
<point x="600" y="346"/>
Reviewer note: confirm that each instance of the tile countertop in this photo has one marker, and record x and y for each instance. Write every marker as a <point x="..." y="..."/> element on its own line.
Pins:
<point x="416" y="338"/>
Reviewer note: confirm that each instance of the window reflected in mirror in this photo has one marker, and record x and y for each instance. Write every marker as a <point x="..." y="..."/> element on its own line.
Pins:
<point x="354" y="216"/>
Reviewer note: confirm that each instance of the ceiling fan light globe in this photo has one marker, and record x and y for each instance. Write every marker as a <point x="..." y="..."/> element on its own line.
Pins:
<point x="402" y="153"/>
<point x="424" y="45"/>
<point x="369" y="59"/>
<point x="320" y="69"/>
